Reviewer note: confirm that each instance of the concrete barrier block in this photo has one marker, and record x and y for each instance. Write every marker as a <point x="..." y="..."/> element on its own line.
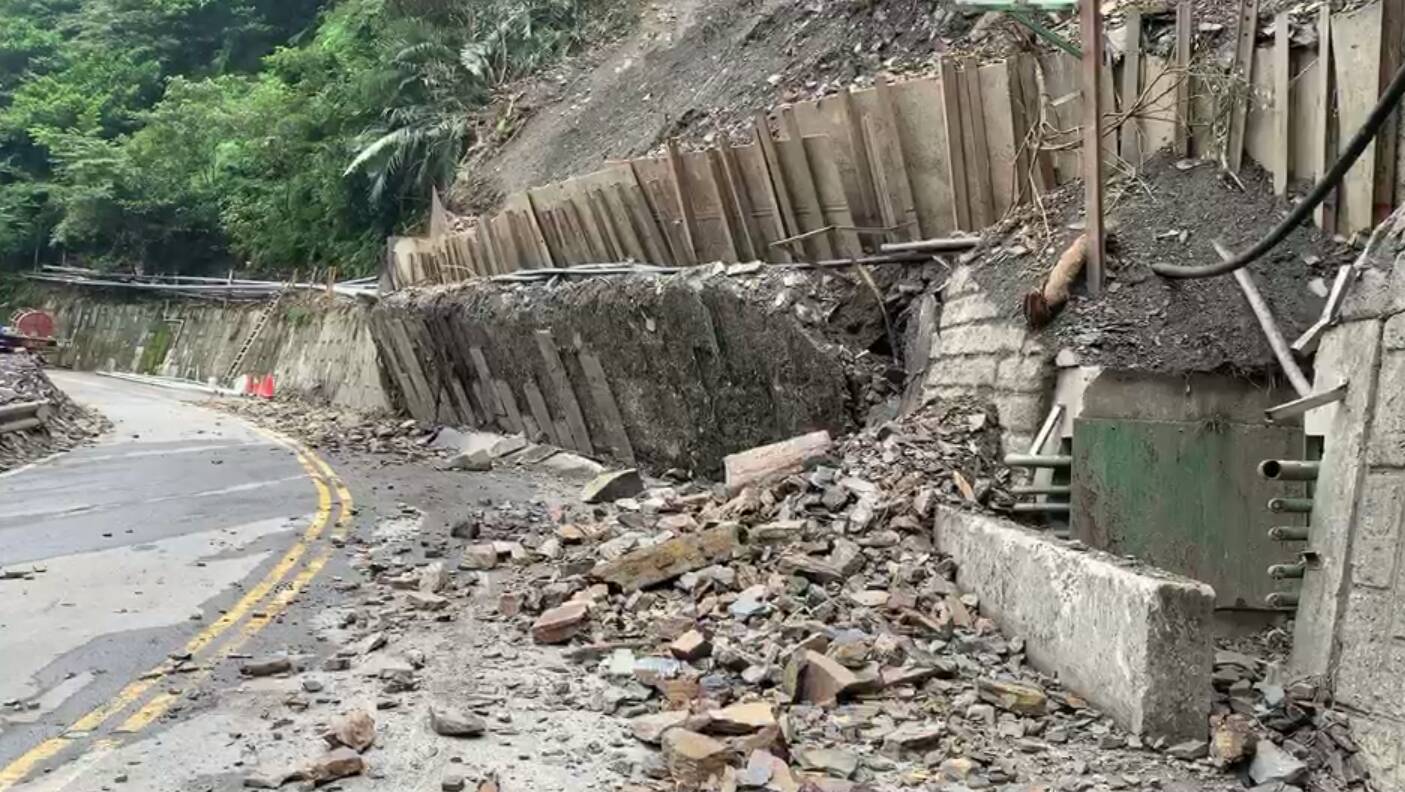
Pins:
<point x="1133" y="640"/>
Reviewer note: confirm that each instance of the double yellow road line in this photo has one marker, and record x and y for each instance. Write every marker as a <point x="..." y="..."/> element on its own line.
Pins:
<point x="140" y="700"/>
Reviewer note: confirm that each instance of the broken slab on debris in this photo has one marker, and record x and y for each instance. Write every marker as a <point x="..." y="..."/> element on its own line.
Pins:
<point x="763" y="463"/>
<point x="667" y="560"/>
<point x="1133" y="640"/>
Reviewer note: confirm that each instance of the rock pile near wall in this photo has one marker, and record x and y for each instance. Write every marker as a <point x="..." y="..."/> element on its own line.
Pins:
<point x="663" y="372"/>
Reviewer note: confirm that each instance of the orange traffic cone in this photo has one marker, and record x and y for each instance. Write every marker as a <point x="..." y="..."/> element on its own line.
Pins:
<point x="266" y="387"/>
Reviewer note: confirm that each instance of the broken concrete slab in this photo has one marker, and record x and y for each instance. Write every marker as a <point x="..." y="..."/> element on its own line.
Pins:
<point x="650" y="566"/>
<point x="613" y="485"/>
<point x="1132" y="640"/>
<point x="759" y="464"/>
<point x="470" y="462"/>
<point x="650" y="728"/>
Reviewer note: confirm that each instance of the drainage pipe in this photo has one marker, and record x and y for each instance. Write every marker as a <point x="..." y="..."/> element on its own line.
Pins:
<point x="1289" y="469"/>
<point x="1290" y="505"/>
<point x="1040" y="508"/>
<point x="1287" y="571"/>
<point x="1288" y="533"/>
<point x="1282" y="599"/>
<point x="20" y="425"/>
<point x="1037" y="461"/>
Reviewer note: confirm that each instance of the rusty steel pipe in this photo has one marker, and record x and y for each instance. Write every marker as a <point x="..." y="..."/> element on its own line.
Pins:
<point x="1289" y="469"/>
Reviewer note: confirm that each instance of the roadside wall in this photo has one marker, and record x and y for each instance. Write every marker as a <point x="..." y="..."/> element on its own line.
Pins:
<point x="1350" y="627"/>
<point x="662" y="372"/>
<point x="314" y="346"/>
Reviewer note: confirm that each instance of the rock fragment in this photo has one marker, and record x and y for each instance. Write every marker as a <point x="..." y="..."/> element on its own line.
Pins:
<point x="560" y="624"/>
<point x="451" y="722"/>
<point x="613" y="485"/>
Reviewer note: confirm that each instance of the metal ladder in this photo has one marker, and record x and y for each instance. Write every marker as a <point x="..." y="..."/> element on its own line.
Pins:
<point x="253" y="336"/>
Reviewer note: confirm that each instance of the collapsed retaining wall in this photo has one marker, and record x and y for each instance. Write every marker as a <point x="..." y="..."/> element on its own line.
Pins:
<point x="666" y="372"/>
<point x="317" y="347"/>
<point x="979" y="352"/>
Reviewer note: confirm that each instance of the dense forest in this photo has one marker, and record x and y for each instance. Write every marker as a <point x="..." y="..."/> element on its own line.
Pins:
<point x="262" y="135"/>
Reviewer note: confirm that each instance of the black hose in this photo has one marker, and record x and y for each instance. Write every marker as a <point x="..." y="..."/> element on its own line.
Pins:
<point x="1305" y="207"/>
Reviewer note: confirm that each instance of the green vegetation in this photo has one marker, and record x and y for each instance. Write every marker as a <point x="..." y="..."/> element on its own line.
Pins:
<point x="262" y="135"/>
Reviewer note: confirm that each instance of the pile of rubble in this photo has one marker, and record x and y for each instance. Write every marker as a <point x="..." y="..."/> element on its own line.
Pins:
<point x="336" y="429"/>
<point x="1280" y="729"/>
<point x="791" y="629"/>
<point x="65" y="425"/>
<point x="800" y="629"/>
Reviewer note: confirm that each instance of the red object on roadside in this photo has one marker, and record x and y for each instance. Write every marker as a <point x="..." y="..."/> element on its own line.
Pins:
<point x="251" y="385"/>
<point x="34" y="324"/>
<point x="266" y="387"/>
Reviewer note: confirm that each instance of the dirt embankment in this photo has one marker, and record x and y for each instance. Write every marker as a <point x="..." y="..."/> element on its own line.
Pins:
<point x="694" y="67"/>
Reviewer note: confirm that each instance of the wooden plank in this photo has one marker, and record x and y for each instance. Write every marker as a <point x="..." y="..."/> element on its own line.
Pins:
<point x="537" y="404"/>
<point x="682" y="195"/>
<point x="584" y="222"/>
<point x="864" y="169"/>
<point x="1090" y="22"/>
<point x="1326" y="213"/>
<point x="1185" y="35"/>
<point x="918" y="109"/>
<point x="829" y="190"/>
<point x="748" y="239"/>
<point x="732" y="214"/>
<point x="546" y="253"/>
<point x="761" y="131"/>
<point x="658" y="224"/>
<point x="509" y="402"/>
<point x="1131" y="88"/>
<point x="489" y="391"/>
<point x="1282" y="76"/>
<point x="645" y="226"/>
<point x="1158" y="124"/>
<point x="613" y="199"/>
<point x="661" y="196"/>
<point x="756" y="182"/>
<point x="809" y="216"/>
<point x="765" y="463"/>
<point x="600" y="213"/>
<point x="561" y="383"/>
<point x="975" y="151"/>
<point x="607" y="410"/>
<point x="897" y="176"/>
<point x="1388" y="139"/>
<point x="1246" y="27"/>
<point x="886" y="209"/>
<point x="712" y="238"/>
<point x="1356" y="51"/>
<point x="1034" y="166"/>
<point x="955" y="146"/>
<point x="1002" y="143"/>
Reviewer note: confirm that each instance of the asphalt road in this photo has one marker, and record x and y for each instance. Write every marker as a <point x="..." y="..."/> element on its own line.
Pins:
<point x="141" y="541"/>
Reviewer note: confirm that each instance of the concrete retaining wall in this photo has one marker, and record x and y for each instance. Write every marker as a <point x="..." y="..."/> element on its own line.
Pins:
<point x="318" y="347"/>
<point x="664" y="372"/>
<point x="1132" y="640"/>
<point x="979" y="351"/>
<point x="1350" y="628"/>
